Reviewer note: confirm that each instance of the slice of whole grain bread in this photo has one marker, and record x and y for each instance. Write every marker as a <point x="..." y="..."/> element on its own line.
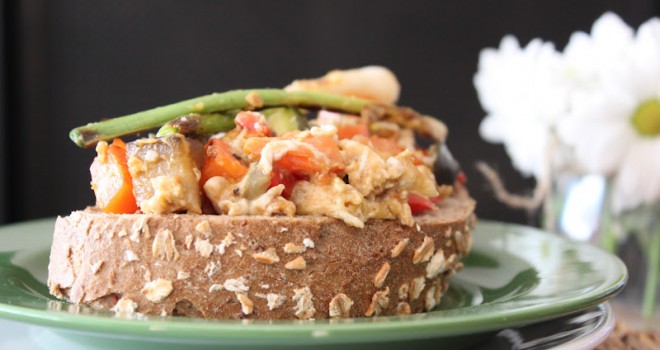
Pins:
<point x="217" y="266"/>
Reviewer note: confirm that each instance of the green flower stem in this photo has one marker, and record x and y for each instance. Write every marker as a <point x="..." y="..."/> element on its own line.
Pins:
<point x="90" y="134"/>
<point x="650" y="290"/>
<point x="609" y="237"/>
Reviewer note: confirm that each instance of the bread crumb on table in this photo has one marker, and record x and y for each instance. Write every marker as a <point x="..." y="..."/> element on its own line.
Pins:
<point x="624" y="337"/>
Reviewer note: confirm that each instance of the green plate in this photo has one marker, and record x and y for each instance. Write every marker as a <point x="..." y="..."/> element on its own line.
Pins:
<point x="515" y="275"/>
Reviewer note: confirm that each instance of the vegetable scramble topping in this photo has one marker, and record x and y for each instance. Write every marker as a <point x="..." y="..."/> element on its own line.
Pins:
<point x="271" y="155"/>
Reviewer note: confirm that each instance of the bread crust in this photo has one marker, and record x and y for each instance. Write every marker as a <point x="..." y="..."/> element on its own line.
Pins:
<point x="218" y="266"/>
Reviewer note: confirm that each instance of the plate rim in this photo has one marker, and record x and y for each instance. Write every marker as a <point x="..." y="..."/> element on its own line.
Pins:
<point x="418" y="326"/>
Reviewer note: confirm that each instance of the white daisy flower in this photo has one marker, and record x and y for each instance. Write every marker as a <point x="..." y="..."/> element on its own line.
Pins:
<point x="614" y="120"/>
<point x="524" y="93"/>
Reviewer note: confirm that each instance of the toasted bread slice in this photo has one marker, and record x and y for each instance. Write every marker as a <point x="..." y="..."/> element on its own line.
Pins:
<point x="218" y="266"/>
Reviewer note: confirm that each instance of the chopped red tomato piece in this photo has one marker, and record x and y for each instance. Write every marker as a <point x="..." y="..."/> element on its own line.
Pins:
<point x="419" y="204"/>
<point x="119" y="143"/>
<point x="221" y="162"/>
<point x="254" y="145"/>
<point x="461" y="178"/>
<point x="386" y="146"/>
<point x="328" y="146"/>
<point x="436" y="199"/>
<point x="254" y="123"/>
<point x="282" y="177"/>
<point x="390" y="148"/>
<point x="351" y="130"/>
<point x="301" y="161"/>
<point x="123" y="201"/>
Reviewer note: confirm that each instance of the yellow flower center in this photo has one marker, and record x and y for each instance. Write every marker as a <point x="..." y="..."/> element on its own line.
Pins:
<point x="646" y="119"/>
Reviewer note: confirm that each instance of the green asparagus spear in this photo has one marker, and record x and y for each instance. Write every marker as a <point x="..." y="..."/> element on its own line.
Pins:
<point x="280" y="119"/>
<point x="198" y="124"/>
<point x="90" y="134"/>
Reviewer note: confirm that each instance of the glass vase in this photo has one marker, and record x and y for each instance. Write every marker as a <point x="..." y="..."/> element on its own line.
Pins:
<point x="584" y="207"/>
<point x="634" y="236"/>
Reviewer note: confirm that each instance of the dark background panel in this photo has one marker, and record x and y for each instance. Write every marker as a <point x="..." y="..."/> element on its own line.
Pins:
<point x="3" y="129"/>
<point x="69" y="62"/>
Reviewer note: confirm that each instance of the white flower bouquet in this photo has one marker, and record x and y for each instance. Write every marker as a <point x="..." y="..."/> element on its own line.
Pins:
<point x="592" y="109"/>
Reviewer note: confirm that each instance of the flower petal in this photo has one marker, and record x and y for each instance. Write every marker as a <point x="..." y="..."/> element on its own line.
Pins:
<point x="638" y="180"/>
<point x="599" y="143"/>
<point x="612" y="33"/>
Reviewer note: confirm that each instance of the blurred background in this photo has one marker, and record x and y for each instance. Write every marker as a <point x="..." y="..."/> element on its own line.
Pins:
<point x="67" y="63"/>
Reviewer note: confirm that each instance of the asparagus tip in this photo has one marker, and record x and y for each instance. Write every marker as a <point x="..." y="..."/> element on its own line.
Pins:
<point x="77" y="137"/>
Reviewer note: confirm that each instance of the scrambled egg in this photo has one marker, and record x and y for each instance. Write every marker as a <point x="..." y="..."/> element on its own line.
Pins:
<point x="226" y="199"/>
<point x="335" y="199"/>
<point x="374" y="187"/>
